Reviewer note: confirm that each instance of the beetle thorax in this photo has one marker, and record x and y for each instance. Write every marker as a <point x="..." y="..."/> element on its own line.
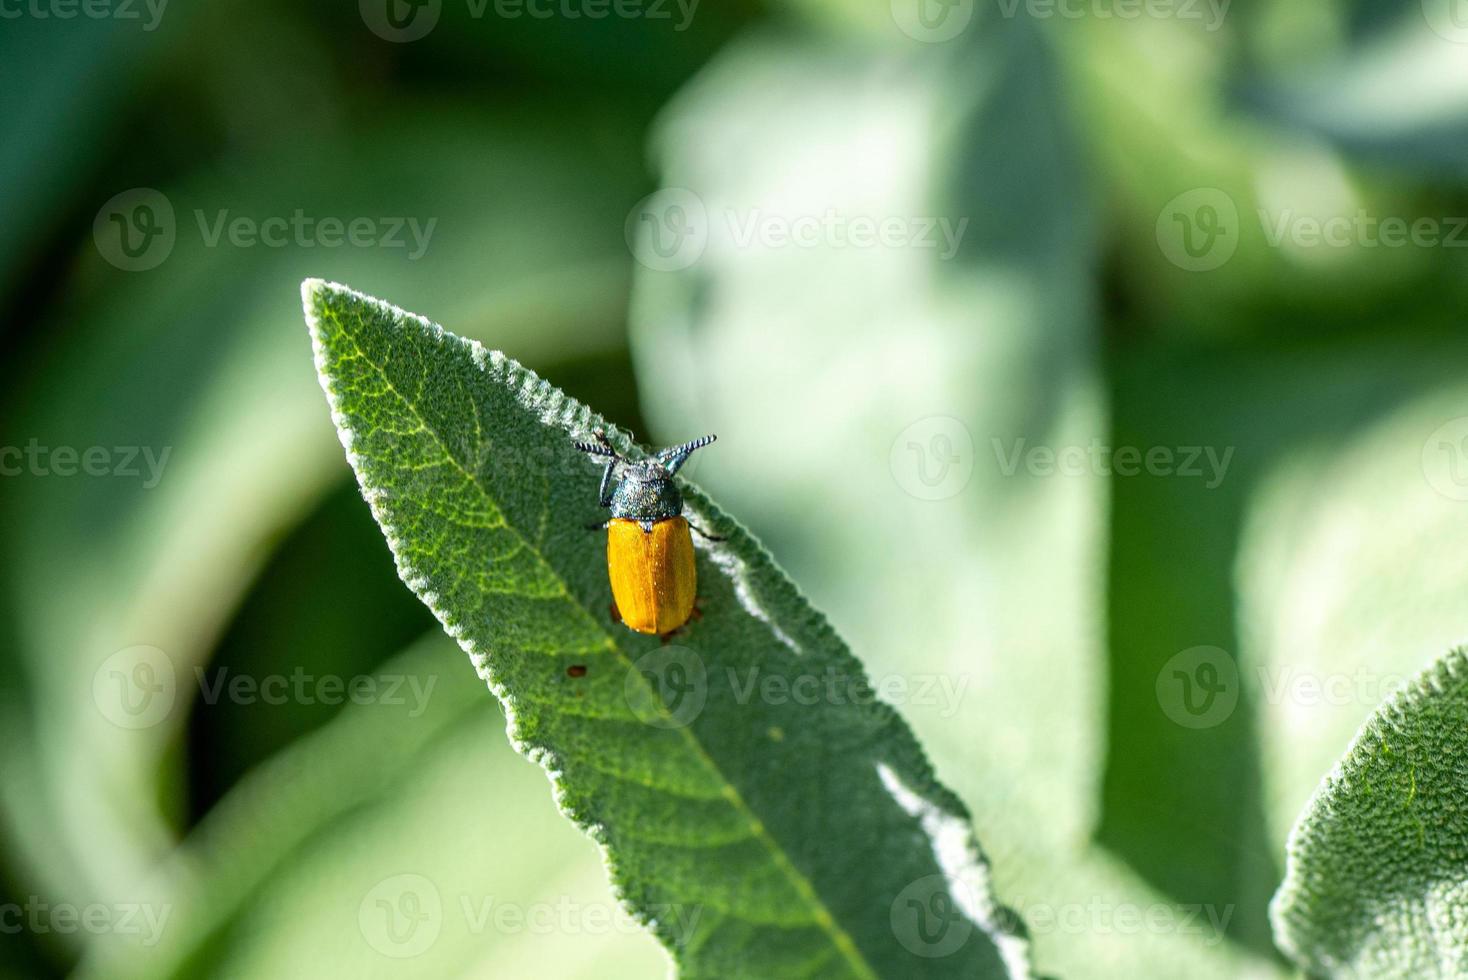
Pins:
<point x="646" y="492"/>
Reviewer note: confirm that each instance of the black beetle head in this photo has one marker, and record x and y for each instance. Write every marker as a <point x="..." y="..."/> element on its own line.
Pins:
<point x="645" y="489"/>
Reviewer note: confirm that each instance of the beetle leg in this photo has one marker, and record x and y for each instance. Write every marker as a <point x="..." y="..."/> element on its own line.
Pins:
<point x="604" y="449"/>
<point x="616" y="613"/>
<point x="598" y="526"/>
<point x="704" y="534"/>
<point x="604" y="494"/>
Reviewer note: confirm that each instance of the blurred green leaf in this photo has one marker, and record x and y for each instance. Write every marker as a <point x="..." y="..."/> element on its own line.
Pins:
<point x="1397" y="98"/>
<point x="1186" y="169"/>
<point x="1375" y="873"/>
<point x="642" y="55"/>
<point x="759" y="804"/>
<point x="412" y="795"/>
<point x="62" y="86"/>
<point x="304" y="618"/>
<point x="1286" y="591"/>
<point x="1351" y="558"/>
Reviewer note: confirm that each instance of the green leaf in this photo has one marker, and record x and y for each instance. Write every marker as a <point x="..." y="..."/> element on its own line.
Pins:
<point x="1375" y="878"/>
<point x="755" y="829"/>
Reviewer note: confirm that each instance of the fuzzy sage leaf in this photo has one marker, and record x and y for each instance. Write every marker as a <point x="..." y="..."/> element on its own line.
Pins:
<point x="1377" y="874"/>
<point x="759" y="810"/>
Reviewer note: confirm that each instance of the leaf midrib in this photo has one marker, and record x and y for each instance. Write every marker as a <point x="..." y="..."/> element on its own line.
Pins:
<point x="823" y="917"/>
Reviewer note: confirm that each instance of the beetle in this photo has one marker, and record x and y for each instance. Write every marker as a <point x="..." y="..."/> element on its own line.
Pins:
<point x="649" y="548"/>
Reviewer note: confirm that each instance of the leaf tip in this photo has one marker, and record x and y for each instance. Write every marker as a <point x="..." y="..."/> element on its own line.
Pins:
<point x="316" y="295"/>
<point x="312" y="291"/>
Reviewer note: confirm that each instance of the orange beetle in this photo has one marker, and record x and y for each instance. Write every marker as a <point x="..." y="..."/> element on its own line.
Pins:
<point x="649" y="548"/>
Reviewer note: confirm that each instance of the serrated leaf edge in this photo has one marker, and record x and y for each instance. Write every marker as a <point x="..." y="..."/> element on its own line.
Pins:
<point x="1391" y="715"/>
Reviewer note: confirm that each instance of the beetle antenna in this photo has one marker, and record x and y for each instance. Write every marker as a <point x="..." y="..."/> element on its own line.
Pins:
<point x="674" y="457"/>
<point x="602" y="447"/>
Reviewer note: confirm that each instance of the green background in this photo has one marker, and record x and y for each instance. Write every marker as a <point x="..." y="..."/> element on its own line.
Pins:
<point x="1331" y="549"/>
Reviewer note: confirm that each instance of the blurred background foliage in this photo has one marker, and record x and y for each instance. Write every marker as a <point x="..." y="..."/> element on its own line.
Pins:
<point x="1327" y="550"/>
